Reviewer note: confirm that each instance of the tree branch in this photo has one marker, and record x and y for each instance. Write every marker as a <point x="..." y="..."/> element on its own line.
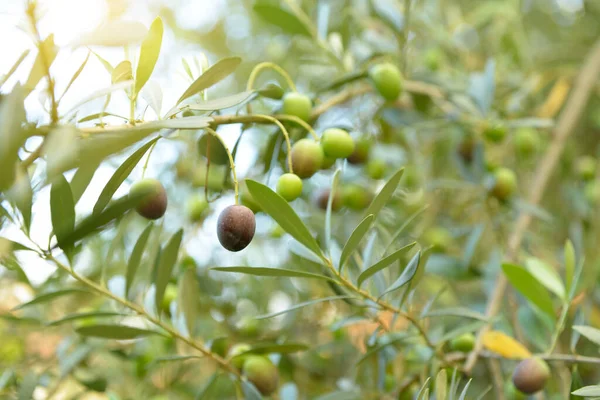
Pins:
<point x="565" y="126"/>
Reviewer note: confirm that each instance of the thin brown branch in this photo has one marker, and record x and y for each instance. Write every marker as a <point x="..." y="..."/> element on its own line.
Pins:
<point x="564" y="127"/>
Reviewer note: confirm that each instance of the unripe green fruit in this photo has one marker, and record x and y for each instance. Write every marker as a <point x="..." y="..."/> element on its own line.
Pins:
<point x="586" y="167"/>
<point x="169" y="296"/>
<point x="376" y="169"/>
<point x="247" y="200"/>
<point x="387" y="80"/>
<point x="322" y="199"/>
<point x="289" y="186"/>
<point x="327" y="162"/>
<point x="362" y="148"/>
<point x="439" y="238"/>
<point x="411" y="177"/>
<point x="307" y="158"/>
<point x="277" y="232"/>
<point x="527" y="141"/>
<point x="262" y="373"/>
<point x="511" y="392"/>
<point x="220" y="346"/>
<point x="235" y="350"/>
<point x="211" y="147"/>
<point x="153" y="198"/>
<point x="337" y="143"/>
<point x="235" y="227"/>
<point x="505" y="184"/>
<point x="494" y="132"/>
<point x="530" y="375"/>
<point x="248" y="327"/>
<point x="591" y="191"/>
<point x="196" y="207"/>
<point x="356" y="197"/>
<point x="298" y="105"/>
<point x="433" y="59"/>
<point x="464" y="343"/>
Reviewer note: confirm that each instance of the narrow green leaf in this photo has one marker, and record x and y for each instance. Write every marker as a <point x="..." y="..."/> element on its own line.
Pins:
<point x="456" y="312"/>
<point x="12" y="137"/>
<point x="153" y="95"/>
<point x="394" y="339"/>
<point x="62" y="209"/>
<point x="28" y="386"/>
<point x="277" y="272"/>
<point x="407" y="275"/>
<point x="149" y="53"/>
<point x="271" y="348"/>
<point x="14" y="67"/>
<point x="189" y="293"/>
<point x="175" y="358"/>
<point x="383" y="263"/>
<point x="570" y="262"/>
<point x="120" y="175"/>
<point x="94" y="222"/>
<point x="355" y="238"/>
<point x="334" y="188"/>
<point x="80" y="316"/>
<point x="588" y="391"/>
<point x="118" y="332"/>
<point x="385" y="194"/>
<point x="107" y="66"/>
<point x="546" y="275"/>
<point x="301" y="305"/>
<point x="136" y="257"/>
<point x="82" y="178"/>
<point x="123" y="72"/>
<point x="75" y="76"/>
<point x="441" y="385"/>
<point x="592" y="334"/>
<point x="101" y="93"/>
<point x="99" y="115"/>
<point x="47" y="52"/>
<point x="21" y="194"/>
<point x="43" y="298"/>
<point x="113" y="33"/>
<point x="215" y="104"/>
<point x="276" y="15"/>
<point x="280" y="210"/>
<point x="529" y="287"/>
<point x="463" y="394"/>
<point x="168" y="258"/>
<point x="217" y="72"/>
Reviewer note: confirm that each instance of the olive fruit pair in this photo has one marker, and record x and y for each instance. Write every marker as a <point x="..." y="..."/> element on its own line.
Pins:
<point x="235" y="227"/>
<point x="308" y="156"/>
<point x="387" y="80"/>
<point x="152" y="196"/>
<point x="530" y="375"/>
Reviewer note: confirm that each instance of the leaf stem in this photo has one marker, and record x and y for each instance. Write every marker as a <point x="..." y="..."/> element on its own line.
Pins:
<point x="269" y="65"/>
<point x="231" y="164"/>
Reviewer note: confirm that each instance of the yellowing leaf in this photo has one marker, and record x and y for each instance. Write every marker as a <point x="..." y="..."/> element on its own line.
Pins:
<point x="556" y="99"/>
<point x="504" y="345"/>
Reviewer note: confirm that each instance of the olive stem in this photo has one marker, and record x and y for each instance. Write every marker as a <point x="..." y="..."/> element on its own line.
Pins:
<point x="299" y="121"/>
<point x="231" y="163"/>
<point x="269" y="65"/>
<point x="140" y="311"/>
<point x="257" y="118"/>
<point x="148" y="159"/>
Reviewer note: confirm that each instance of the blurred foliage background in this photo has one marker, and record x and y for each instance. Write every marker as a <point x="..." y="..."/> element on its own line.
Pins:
<point x="468" y="64"/>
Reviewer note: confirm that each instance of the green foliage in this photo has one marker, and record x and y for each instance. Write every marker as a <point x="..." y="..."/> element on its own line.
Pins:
<point x="406" y="190"/>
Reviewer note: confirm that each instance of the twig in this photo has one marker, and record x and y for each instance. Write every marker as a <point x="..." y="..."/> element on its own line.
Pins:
<point x="566" y="358"/>
<point x="140" y="311"/>
<point x="566" y="124"/>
